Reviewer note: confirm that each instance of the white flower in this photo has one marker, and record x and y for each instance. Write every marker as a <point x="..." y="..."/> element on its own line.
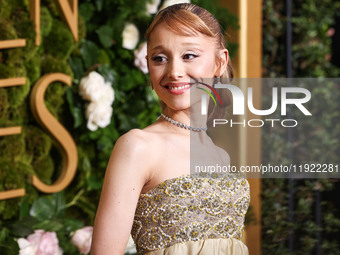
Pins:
<point x="98" y="115"/>
<point x="140" y="60"/>
<point x="82" y="239"/>
<point x="105" y="95"/>
<point x="90" y="86"/>
<point x="94" y="88"/>
<point x="152" y="6"/>
<point x="108" y="94"/>
<point x="40" y="243"/>
<point x="26" y="247"/>
<point x="131" y="247"/>
<point x="101" y="96"/>
<point x="130" y="36"/>
<point x="172" y="2"/>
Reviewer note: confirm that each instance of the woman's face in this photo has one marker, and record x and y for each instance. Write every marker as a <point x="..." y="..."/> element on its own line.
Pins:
<point x="174" y="59"/>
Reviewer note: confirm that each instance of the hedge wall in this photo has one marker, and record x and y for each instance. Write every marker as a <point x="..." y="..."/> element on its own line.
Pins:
<point x="33" y="152"/>
<point x="312" y="22"/>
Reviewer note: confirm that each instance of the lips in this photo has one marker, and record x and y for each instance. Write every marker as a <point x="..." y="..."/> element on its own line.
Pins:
<point x="177" y="88"/>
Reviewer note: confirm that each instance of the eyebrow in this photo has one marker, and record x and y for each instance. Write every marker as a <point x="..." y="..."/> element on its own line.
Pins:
<point x="184" y="44"/>
<point x="191" y="44"/>
<point x="157" y="47"/>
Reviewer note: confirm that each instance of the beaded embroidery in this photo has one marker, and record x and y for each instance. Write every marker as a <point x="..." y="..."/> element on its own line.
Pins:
<point x="190" y="208"/>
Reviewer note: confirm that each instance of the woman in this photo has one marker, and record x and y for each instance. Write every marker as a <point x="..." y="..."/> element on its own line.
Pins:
<point x="148" y="187"/>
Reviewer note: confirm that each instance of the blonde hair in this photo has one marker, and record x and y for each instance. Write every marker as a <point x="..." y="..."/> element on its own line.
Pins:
<point x="188" y="20"/>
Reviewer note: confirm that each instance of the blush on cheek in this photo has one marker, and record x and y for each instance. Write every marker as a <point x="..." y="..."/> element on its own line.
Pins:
<point x="205" y="70"/>
<point x="156" y="76"/>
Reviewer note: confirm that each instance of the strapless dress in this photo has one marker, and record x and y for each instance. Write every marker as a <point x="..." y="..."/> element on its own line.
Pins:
<point x="193" y="214"/>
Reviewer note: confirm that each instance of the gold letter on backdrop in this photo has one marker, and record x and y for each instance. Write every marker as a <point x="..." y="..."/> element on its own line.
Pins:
<point x="35" y="17"/>
<point x="70" y="15"/>
<point x="10" y="82"/>
<point x="17" y="81"/>
<point x="63" y="138"/>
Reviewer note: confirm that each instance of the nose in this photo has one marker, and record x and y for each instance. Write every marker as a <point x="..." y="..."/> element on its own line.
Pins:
<point x="175" y="69"/>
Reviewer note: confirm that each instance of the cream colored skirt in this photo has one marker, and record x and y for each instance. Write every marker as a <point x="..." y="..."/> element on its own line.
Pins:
<point x="221" y="246"/>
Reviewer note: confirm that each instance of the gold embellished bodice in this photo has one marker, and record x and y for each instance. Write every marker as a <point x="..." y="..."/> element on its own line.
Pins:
<point x="190" y="208"/>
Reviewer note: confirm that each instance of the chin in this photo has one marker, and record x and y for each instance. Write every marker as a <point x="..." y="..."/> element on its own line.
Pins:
<point x="178" y="106"/>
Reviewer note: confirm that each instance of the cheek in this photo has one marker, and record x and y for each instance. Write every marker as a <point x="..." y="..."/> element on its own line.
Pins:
<point x="155" y="73"/>
<point x="205" y="69"/>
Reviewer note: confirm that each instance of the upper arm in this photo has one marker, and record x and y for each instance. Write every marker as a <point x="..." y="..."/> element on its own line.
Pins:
<point x="126" y="174"/>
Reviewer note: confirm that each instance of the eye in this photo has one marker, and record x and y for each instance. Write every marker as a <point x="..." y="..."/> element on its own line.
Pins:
<point x="190" y="56"/>
<point x="158" y="59"/>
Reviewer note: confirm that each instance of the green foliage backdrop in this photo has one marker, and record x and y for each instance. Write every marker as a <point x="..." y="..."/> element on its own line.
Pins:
<point x="135" y="106"/>
<point x="311" y="56"/>
<point x="33" y="152"/>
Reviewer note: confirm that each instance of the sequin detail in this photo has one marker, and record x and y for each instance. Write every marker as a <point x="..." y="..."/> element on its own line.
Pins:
<point x="190" y="208"/>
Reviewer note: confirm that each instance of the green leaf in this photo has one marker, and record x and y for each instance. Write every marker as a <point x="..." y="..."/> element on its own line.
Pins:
<point x="10" y="247"/>
<point x="85" y="163"/>
<point x="99" y="4"/>
<point x="23" y="227"/>
<point x="108" y="73"/>
<point x="90" y="53"/>
<point x="43" y="208"/>
<point x="86" y="10"/>
<point x="75" y="108"/>
<point x="94" y="183"/>
<point x="72" y="225"/>
<point x="125" y="122"/>
<point x="23" y="209"/>
<point x="78" y="117"/>
<point x="4" y="233"/>
<point x="49" y="225"/>
<point x="77" y="67"/>
<point x="94" y="135"/>
<point x="105" y="35"/>
<point x="59" y="200"/>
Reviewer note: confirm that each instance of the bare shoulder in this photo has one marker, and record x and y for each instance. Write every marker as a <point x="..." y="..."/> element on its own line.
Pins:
<point x="137" y="141"/>
<point x="135" y="138"/>
<point x="135" y="149"/>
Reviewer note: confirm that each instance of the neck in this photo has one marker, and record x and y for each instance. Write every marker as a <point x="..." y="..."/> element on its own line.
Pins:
<point x="192" y="118"/>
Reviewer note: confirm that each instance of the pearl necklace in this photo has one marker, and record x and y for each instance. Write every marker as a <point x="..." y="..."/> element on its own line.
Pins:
<point x="196" y="129"/>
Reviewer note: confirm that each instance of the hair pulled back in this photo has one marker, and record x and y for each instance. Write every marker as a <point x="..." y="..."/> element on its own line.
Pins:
<point x="188" y="20"/>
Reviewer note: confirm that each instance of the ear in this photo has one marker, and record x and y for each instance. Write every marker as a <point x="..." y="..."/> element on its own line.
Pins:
<point x="223" y="62"/>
